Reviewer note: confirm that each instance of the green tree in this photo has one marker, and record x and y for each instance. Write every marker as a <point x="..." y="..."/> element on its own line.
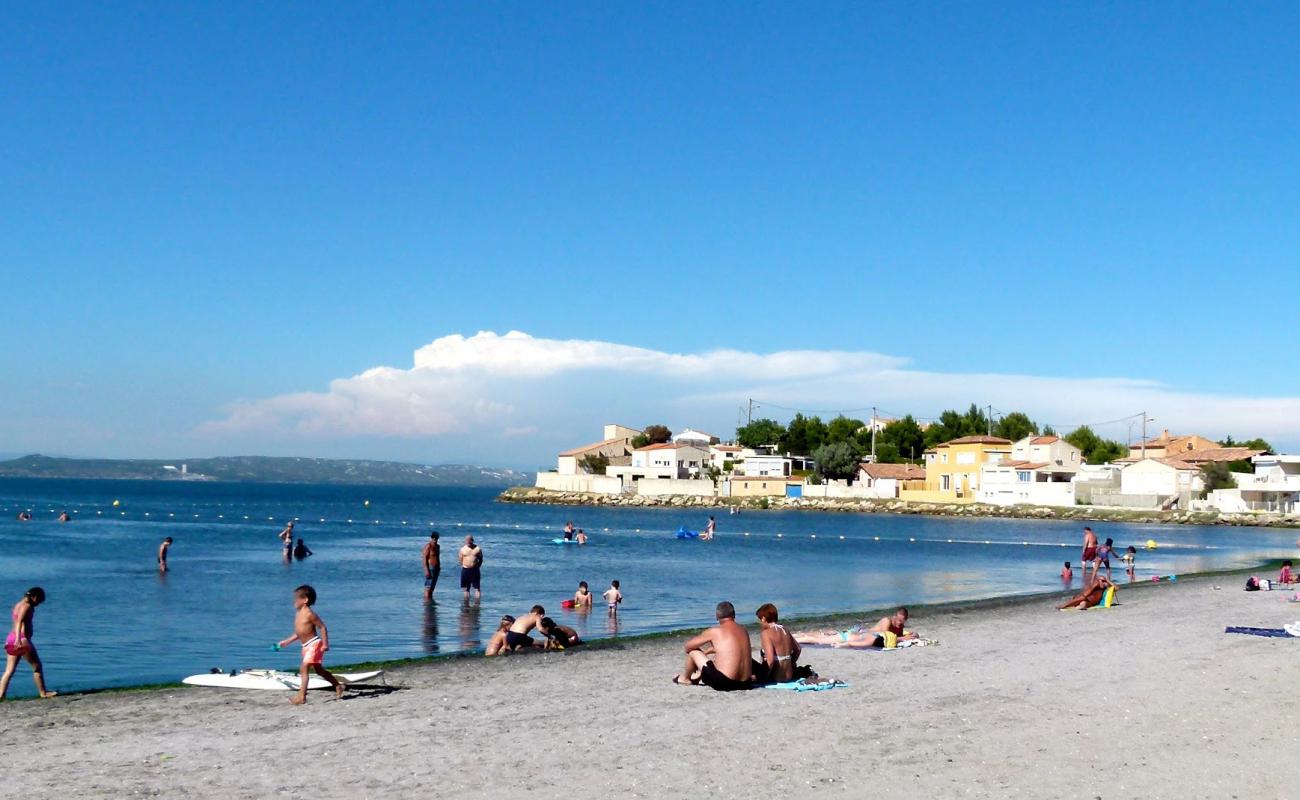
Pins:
<point x="900" y="440"/>
<point x="803" y="435"/>
<point x="653" y="434"/>
<point x="594" y="463"/>
<point x="843" y="429"/>
<point x="837" y="461"/>
<point x="1095" y="449"/>
<point x="1015" y="426"/>
<point x="760" y="433"/>
<point x="1048" y="430"/>
<point x="1217" y="476"/>
<point x="1250" y="444"/>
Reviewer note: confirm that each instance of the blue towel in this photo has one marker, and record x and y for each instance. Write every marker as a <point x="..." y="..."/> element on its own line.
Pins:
<point x="1278" y="633"/>
<point x="803" y="685"/>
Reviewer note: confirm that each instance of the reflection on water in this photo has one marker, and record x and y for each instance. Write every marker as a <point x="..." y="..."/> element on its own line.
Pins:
<point x="429" y="631"/>
<point x="469" y="621"/>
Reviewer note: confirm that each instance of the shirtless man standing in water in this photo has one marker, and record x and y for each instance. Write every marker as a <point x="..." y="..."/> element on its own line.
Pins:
<point x="432" y="557"/>
<point x="471" y="560"/>
<point x="1089" y="554"/>
<point x="729" y="667"/>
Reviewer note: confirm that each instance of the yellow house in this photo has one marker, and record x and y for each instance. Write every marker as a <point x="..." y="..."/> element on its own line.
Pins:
<point x="952" y="469"/>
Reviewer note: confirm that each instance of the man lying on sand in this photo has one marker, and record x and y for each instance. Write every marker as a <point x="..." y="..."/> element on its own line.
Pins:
<point x="878" y="635"/>
<point x="728" y="667"/>
<point x="1090" y="596"/>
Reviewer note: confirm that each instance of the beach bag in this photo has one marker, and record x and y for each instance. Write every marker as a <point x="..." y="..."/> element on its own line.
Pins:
<point x="1252" y="584"/>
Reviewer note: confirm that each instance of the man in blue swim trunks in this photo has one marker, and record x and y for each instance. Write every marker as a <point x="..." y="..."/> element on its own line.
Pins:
<point x="471" y="560"/>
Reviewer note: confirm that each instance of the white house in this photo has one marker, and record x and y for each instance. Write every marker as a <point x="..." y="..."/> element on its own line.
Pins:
<point x="1039" y="472"/>
<point x="667" y="460"/>
<point x="761" y="466"/>
<point x="884" y="480"/>
<point x="1274" y="486"/>
<point x="616" y="444"/>
<point x="700" y="438"/>
<point x="1165" y="478"/>
<point x="721" y="454"/>
<point x="1053" y="451"/>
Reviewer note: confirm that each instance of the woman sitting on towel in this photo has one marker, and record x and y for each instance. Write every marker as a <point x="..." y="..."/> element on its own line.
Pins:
<point x="886" y="633"/>
<point x="1090" y="596"/>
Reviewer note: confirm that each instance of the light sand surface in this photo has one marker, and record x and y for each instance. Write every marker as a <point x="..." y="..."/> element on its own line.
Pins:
<point x="1148" y="699"/>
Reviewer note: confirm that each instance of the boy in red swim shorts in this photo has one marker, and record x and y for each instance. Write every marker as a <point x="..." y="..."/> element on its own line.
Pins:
<point x="309" y="629"/>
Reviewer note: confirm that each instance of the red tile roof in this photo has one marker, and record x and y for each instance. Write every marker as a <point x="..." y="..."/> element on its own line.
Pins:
<point x="587" y="448"/>
<point x="1045" y="439"/>
<point x="977" y="440"/>
<point x="900" y="472"/>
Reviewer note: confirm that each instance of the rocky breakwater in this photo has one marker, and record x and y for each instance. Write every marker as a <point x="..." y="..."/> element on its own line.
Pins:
<point x="525" y="494"/>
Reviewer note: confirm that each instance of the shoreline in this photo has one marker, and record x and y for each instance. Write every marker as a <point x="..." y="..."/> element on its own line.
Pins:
<point x="1016" y="699"/>
<point x="535" y="496"/>
<point x="840" y="618"/>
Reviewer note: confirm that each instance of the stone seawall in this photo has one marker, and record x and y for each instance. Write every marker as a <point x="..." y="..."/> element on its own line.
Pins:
<point x="525" y="494"/>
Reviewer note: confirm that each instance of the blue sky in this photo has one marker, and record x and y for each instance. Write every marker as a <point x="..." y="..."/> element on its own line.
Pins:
<point x="207" y="208"/>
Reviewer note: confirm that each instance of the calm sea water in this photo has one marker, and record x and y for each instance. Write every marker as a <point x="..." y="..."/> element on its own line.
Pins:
<point x="112" y="620"/>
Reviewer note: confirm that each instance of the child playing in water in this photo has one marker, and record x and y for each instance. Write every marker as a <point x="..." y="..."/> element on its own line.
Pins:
<point x="1067" y="574"/>
<point x="1285" y="576"/>
<point x="582" y="597"/>
<point x="18" y="644"/>
<point x="309" y="629"/>
<point x="1130" y="559"/>
<point x="613" y="597"/>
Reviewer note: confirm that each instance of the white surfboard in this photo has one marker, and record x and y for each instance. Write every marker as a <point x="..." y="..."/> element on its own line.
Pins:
<point x="274" y="680"/>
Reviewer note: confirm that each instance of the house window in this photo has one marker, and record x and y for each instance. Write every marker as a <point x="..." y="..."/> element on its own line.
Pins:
<point x="943" y="458"/>
<point x="945" y="482"/>
<point x="1022" y="476"/>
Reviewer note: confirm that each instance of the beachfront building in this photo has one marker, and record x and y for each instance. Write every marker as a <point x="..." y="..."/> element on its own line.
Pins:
<point x="572" y="474"/>
<point x="1219" y="455"/>
<point x="665" y="461"/>
<point x="726" y="457"/>
<point x="1159" y="483"/>
<point x="698" y="438"/>
<point x="1095" y="480"/>
<point x="756" y="486"/>
<point x="1273" y="487"/>
<point x="767" y="466"/>
<point x="885" y="481"/>
<point x="1039" y="472"/>
<point x="952" y="469"/>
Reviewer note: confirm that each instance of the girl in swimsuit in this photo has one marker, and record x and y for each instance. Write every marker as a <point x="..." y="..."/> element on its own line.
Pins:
<point x="18" y="644"/>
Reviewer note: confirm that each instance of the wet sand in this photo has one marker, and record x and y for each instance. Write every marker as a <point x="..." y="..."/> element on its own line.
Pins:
<point x="1150" y="699"/>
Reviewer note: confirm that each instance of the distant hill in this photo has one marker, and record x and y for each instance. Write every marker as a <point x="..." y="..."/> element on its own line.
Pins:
<point x="264" y="469"/>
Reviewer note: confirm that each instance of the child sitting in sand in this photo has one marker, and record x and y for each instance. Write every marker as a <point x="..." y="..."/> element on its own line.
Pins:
<point x="309" y="629"/>
<point x="558" y="637"/>
<point x="1285" y="576"/>
<point x="517" y="637"/>
<point x="582" y="597"/>
<point x="613" y="597"/>
<point x="497" y="644"/>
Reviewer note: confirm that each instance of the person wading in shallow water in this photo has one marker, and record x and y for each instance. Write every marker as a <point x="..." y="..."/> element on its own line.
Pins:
<point x="471" y="561"/>
<point x="432" y="564"/>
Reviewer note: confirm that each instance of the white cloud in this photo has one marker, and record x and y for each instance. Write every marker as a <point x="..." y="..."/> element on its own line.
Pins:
<point x="522" y="396"/>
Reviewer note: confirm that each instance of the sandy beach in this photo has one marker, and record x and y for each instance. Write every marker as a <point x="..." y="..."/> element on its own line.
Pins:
<point x="1150" y="699"/>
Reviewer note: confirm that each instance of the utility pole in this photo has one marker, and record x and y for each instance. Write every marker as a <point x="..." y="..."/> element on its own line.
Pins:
<point x="749" y="414"/>
<point x="990" y="419"/>
<point x="873" y="434"/>
<point x="1144" y="435"/>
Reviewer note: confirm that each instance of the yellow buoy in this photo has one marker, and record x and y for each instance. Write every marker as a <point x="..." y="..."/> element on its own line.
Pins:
<point x="1151" y="544"/>
<point x="367" y="503"/>
<point x="117" y="503"/>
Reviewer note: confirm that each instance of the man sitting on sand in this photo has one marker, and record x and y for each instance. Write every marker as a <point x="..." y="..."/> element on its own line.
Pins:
<point x="1090" y="596"/>
<point x="728" y="667"/>
<point x="886" y="633"/>
<point x="517" y="637"/>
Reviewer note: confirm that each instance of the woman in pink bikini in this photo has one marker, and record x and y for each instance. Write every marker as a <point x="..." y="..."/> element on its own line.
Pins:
<point x="18" y="644"/>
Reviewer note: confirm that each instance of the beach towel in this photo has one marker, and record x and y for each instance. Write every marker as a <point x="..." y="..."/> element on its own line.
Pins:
<point x="803" y="685"/>
<point x="1278" y="633"/>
